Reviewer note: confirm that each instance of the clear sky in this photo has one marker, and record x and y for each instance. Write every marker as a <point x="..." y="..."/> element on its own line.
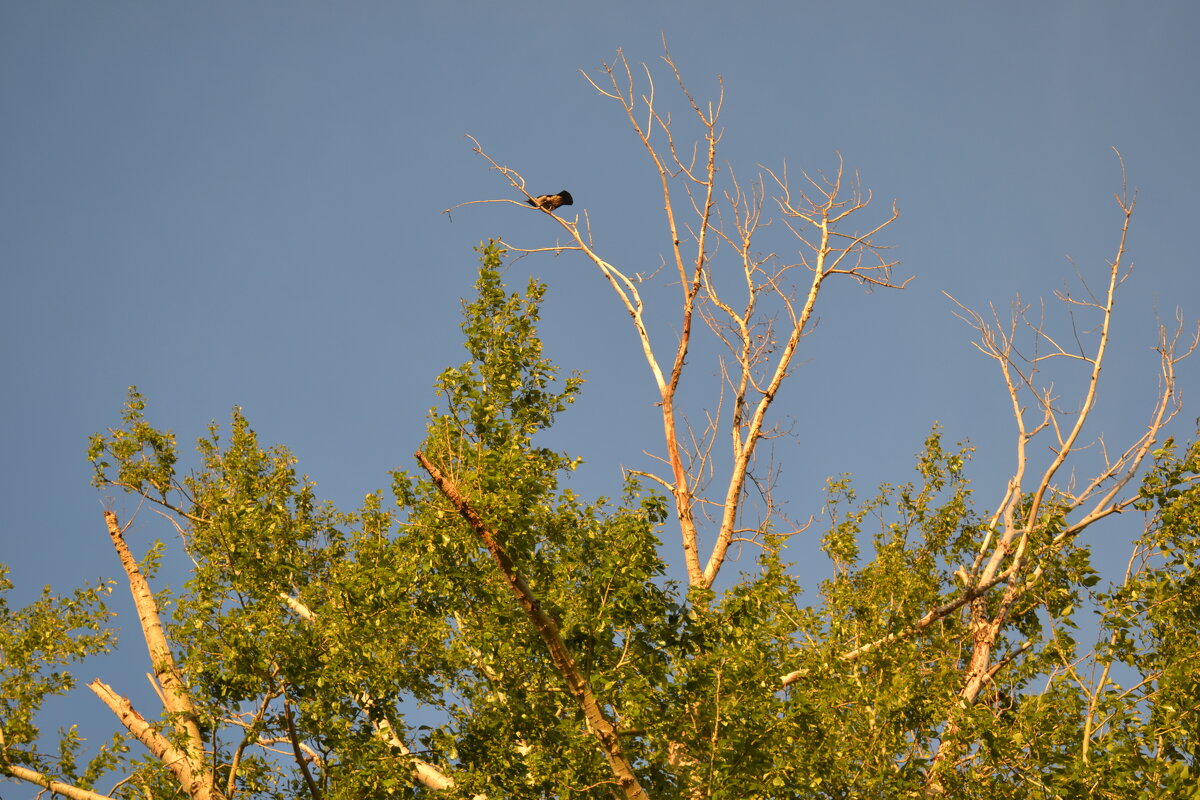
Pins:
<point x="240" y="204"/>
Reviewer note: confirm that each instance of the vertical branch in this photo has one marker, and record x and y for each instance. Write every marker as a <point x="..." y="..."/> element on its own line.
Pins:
<point x="313" y="790"/>
<point x="1015" y="522"/>
<point x="833" y="252"/>
<point x="682" y="483"/>
<point x="176" y="700"/>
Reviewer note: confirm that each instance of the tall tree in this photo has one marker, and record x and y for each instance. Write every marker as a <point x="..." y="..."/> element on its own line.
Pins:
<point x="486" y="633"/>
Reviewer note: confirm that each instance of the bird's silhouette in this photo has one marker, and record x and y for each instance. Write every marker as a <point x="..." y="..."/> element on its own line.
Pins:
<point x="552" y="201"/>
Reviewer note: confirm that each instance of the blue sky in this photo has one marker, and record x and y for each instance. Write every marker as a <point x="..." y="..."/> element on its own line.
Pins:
<point x="240" y="204"/>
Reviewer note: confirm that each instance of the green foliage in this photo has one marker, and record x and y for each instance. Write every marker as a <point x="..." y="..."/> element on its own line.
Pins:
<point x="933" y="529"/>
<point x="359" y="631"/>
<point x="1029" y="727"/>
<point x="37" y="642"/>
<point x="594" y="566"/>
<point x="144" y="457"/>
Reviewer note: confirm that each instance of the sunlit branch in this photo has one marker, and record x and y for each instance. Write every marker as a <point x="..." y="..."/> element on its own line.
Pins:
<point x="547" y="629"/>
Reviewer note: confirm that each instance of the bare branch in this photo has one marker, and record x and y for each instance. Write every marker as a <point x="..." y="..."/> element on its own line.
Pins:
<point x="174" y="694"/>
<point x="195" y="781"/>
<point x="55" y="787"/>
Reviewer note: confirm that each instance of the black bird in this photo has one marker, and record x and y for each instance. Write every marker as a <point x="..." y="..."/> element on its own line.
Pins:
<point x="552" y="201"/>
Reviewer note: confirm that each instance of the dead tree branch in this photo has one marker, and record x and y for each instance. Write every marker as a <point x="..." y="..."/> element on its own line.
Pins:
<point x="749" y="302"/>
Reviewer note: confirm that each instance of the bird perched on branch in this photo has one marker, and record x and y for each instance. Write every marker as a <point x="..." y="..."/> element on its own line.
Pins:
<point x="552" y="201"/>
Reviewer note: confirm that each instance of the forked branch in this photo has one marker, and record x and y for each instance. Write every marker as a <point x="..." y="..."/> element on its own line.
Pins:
<point x="750" y="302"/>
<point x="1016" y="552"/>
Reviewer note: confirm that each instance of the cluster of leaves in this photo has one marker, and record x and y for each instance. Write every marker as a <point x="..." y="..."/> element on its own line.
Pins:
<point x="37" y="643"/>
<point x="329" y="653"/>
<point x="1055" y="722"/>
